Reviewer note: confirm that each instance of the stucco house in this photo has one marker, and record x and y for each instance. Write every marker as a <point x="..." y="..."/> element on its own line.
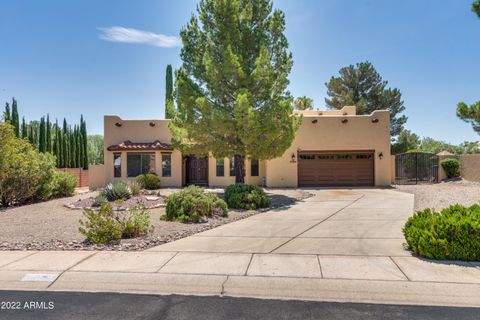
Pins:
<point x="331" y="148"/>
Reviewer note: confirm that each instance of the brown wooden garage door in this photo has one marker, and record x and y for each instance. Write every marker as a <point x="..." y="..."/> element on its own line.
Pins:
<point x="335" y="168"/>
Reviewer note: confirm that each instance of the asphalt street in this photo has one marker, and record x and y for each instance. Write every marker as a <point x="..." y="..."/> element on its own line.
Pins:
<point x="106" y="306"/>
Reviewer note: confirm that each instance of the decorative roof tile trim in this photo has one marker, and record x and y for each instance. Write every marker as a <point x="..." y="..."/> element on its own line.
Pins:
<point x="129" y="146"/>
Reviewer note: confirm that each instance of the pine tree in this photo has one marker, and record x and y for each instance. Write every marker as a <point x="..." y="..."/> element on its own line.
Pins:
<point x="362" y="86"/>
<point x="169" y="104"/>
<point x="15" y="118"/>
<point x="231" y="90"/>
<point x="42" y="142"/>
<point x="48" y="134"/>
<point x="7" y="115"/>
<point x="303" y="103"/>
<point x="470" y="114"/>
<point x="24" y="129"/>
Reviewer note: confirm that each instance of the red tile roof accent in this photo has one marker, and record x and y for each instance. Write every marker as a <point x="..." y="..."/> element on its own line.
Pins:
<point x="134" y="146"/>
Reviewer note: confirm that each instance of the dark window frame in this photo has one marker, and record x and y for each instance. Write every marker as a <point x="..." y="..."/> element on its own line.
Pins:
<point x="135" y="172"/>
<point x="254" y="168"/>
<point x="220" y="168"/>
<point x="166" y="164"/>
<point x="117" y="168"/>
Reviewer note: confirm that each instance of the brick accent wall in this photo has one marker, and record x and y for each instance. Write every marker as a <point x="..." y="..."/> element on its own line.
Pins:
<point x="80" y="173"/>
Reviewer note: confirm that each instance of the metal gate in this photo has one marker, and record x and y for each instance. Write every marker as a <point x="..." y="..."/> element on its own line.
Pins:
<point x="416" y="167"/>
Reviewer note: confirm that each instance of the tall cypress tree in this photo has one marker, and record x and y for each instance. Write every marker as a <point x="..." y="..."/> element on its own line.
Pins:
<point x="7" y="115"/>
<point x="31" y="137"/>
<point x="48" y="134"/>
<point x="79" y="148"/>
<point x="83" y="132"/>
<point x="42" y="142"/>
<point x="169" y="105"/>
<point x="65" y="148"/>
<point x="15" y="118"/>
<point x="24" y="129"/>
<point x="73" y="151"/>
<point x="59" y="145"/>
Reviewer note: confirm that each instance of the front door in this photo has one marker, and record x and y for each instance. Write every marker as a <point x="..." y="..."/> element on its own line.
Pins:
<point x="197" y="170"/>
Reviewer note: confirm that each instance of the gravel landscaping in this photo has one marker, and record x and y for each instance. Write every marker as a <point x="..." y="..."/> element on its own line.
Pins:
<point x="442" y="195"/>
<point x="52" y="226"/>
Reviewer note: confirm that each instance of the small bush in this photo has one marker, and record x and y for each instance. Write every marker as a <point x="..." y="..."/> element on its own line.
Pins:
<point x="149" y="181"/>
<point x="451" y="166"/>
<point x="135" y="187"/>
<point x="100" y="226"/>
<point x="192" y="204"/>
<point x="108" y="225"/>
<point x="452" y="234"/>
<point x="117" y="191"/>
<point x="64" y="184"/>
<point x="99" y="201"/>
<point x="246" y="196"/>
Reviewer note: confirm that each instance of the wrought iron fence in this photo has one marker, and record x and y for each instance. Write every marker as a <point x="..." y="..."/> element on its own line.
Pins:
<point x="416" y="167"/>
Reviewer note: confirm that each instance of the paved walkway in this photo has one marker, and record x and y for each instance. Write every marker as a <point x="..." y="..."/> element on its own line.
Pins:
<point x="340" y="245"/>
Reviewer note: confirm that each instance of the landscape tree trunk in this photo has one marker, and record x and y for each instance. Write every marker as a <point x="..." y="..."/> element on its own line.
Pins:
<point x="239" y="169"/>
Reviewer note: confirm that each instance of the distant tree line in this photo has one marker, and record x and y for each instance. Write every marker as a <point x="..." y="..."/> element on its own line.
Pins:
<point x="68" y="144"/>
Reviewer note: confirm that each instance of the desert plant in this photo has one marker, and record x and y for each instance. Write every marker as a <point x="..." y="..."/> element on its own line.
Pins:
<point x="135" y="187"/>
<point x="100" y="226"/>
<point x="192" y="204"/>
<point x="117" y="191"/>
<point x="107" y="225"/>
<point x="453" y="233"/>
<point x="149" y="181"/>
<point x="99" y="201"/>
<point x="135" y="223"/>
<point x="451" y="166"/>
<point x="246" y="196"/>
<point x="64" y="184"/>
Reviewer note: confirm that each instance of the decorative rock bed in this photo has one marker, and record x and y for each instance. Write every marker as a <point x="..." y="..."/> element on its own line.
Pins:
<point x="149" y="201"/>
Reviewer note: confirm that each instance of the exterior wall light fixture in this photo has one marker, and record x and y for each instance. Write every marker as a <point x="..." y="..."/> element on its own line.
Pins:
<point x="293" y="158"/>
<point x="380" y="155"/>
<point x="375" y="120"/>
<point x="118" y="124"/>
<point x="314" y="121"/>
<point x="152" y="124"/>
<point x="344" y="120"/>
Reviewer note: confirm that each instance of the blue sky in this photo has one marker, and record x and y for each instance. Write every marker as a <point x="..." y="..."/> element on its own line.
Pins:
<point x="55" y="57"/>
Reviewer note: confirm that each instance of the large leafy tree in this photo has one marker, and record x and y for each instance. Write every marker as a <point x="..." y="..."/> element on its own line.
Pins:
<point x="231" y="89"/>
<point x="470" y="114"/>
<point x="95" y="149"/>
<point x="362" y="86"/>
<point x="303" y="103"/>
<point x="169" y="103"/>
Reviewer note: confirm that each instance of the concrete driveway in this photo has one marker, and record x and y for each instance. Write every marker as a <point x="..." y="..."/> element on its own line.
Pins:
<point x="357" y="222"/>
<point x="339" y="245"/>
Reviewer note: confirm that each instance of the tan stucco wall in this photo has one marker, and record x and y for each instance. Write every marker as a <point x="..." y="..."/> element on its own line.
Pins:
<point x="347" y="110"/>
<point x="96" y="177"/>
<point x="470" y="167"/>
<point x="330" y="134"/>
<point x="139" y="131"/>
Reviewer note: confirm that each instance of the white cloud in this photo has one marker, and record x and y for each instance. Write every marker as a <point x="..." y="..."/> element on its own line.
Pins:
<point x="129" y="35"/>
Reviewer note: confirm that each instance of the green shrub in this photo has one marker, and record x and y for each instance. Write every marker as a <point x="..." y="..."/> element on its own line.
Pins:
<point x="107" y="225"/>
<point x="246" y="196"/>
<point x="452" y="234"/>
<point x="64" y="184"/>
<point x="25" y="173"/>
<point x="135" y="187"/>
<point x="191" y="204"/>
<point x="99" y="201"/>
<point x="100" y="226"/>
<point x="117" y="191"/>
<point x="149" y="181"/>
<point x="451" y="166"/>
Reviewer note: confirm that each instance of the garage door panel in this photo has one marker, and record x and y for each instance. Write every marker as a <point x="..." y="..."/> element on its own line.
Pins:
<point x="335" y="169"/>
